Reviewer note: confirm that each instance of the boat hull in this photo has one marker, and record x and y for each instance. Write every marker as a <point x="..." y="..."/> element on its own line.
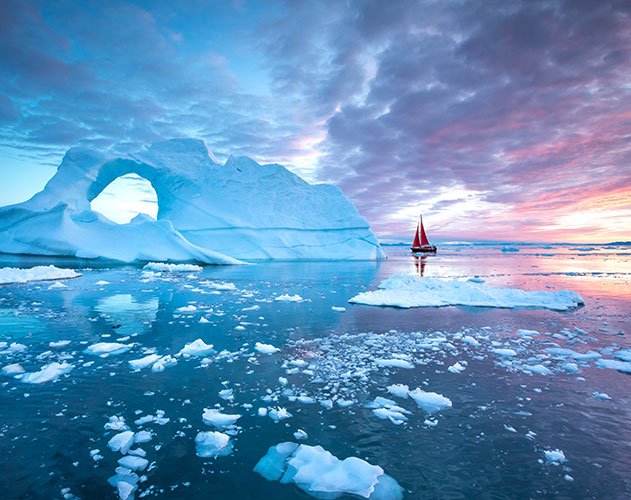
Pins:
<point x="427" y="249"/>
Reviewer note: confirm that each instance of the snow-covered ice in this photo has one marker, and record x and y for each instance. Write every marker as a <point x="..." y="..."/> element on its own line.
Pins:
<point x="172" y="268"/>
<point x="217" y="419"/>
<point x="105" y="349"/>
<point x="196" y="348"/>
<point x="37" y="273"/>
<point x="405" y="291"/>
<point x="431" y="402"/>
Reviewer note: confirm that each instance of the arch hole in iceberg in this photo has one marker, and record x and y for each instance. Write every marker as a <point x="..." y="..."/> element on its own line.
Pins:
<point x="126" y="197"/>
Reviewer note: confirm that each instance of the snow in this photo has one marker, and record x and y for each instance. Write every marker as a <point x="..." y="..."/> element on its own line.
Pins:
<point x="47" y="373"/>
<point x="105" y="349"/>
<point x="217" y="419"/>
<point x="266" y="348"/>
<point x="196" y="348"/>
<point x="172" y="268"/>
<point x="212" y="444"/>
<point x="208" y="212"/>
<point x="37" y="273"/>
<point x="322" y="475"/>
<point x="405" y="291"/>
<point x="431" y="402"/>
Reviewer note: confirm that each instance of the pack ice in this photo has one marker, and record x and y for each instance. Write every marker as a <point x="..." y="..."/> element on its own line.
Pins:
<point x="207" y="212"/>
<point x="402" y="290"/>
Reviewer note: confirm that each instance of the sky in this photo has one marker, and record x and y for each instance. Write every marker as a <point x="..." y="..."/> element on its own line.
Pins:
<point x="498" y="120"/>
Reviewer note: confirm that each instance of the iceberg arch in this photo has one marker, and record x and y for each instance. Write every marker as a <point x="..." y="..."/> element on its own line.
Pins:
<point x="125" y="197"/>
<point x="207" y="212"/>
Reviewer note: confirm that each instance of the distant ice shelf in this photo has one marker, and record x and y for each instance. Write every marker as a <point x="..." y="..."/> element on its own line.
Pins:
<point x="208" y="213"/>
<point x="405" y="291"/>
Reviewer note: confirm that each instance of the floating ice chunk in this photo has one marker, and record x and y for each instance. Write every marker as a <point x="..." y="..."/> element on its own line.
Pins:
<point x="105" y="349"/>
<point x="300" y="434"/>
<point x="266" y="348"/>
<point x="162" y="363"/>
<point x="172" y="268"/>
<point x="59" y="343"/>
<point x="288" y="298"/>
<point x="142" y="437"/>
<point x="46" y="373"/>
<point x="528" y="333"/>
<point x="12" y="369"/>
<point x="196" y="348"/>
<point x="613" y="364"/>
<point x="456" y="368"/>
<point x="470" y="340"/>
<point x="539" y="368"/>
<point x="262" y="412"/>
<point x="102" y="282"/>
<point x="399" y="390"/>
<point x="431" y="402"/>
<point x="338" y="309"/>
<point x="217" y="419"/>
<point x="394" y="363"/>
<point x="279" y="413"/>
<point x="13" y="348"/>
<point x="322" y="475"/>
<point x="387" y="409"/>
<point x="555" y="457"/>
<point x="133" y="463"/>
<point x="57" y="284"/>
<point x="116" y="423"/>
<point x="37" y="273"/>
<point x="220" y="285"/>
<point x="158" y="418"/>
<point x="122" y="442"/>
<point x="146" y="362"/>
<point x="623" y="354"/>
<point x="186" y="309"/>
<point x="505" y="352"/>
<point x="203" y="320"/>
<point x="402" y="290"/>
<point x="212" y="444"/>
<point x="571" y="367"/>
<point x="601" y="395"/>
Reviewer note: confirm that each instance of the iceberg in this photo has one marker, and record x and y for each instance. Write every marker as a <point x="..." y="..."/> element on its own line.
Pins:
<point x="207" y="212"/>
<point x="322" y="475"/>
<point x="405" y="291"/>
<point x="37" y="273"/>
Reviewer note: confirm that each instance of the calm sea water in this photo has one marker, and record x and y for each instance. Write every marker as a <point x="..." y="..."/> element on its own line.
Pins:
<point x="490" y="444"/>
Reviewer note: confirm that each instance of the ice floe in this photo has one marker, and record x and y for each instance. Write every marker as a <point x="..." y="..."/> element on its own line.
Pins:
<point x="196" y="348"/>
<point x="265" y="348"/>
<point x="405" y="291"/>
<point x="212" y="444"/>
<point x="217" y="419"/>
<point x="322" y="475"/>
<point x="105" y="349"/>
<point x="37" y="273"/>
<point x="172" y="268"/>
<point x="47" y="373"/>
<point x="431" y="402"/>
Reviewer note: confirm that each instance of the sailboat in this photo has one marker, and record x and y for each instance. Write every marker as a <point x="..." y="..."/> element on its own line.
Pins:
<point x="421" y="244"/>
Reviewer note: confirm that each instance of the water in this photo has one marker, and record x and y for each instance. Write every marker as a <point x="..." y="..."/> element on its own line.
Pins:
<point x="47" y="430"/>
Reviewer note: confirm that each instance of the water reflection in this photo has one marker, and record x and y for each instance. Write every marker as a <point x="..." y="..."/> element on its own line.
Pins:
<point x="126" y="313"/>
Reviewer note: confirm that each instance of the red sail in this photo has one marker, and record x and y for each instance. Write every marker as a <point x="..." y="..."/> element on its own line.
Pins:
<point x="416" y="243"/>
<point x="424" y="241"/>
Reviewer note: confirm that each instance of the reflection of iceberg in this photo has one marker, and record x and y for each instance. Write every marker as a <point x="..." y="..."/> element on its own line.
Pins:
<point x="208" y="212"/>
<point x="126" y="311"/>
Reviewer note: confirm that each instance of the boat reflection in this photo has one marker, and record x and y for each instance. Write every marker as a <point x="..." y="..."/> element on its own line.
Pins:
<point x="419" y="264"/>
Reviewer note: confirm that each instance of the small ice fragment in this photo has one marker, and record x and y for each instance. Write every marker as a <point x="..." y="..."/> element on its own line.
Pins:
<point x="399" y="390"/>
<point x="338" y="309"/>
<point x="279" y="413"/>
<point x="59" y="343"/>
<point x="196" y="348"/>
<point x="288" y="298"/>
<point x="133" y="463"/>
<point x="505" y="352"/>
<point x="601" y="395"/>
<point x="220" y="420"/>
<point x="266" y="348"/>
<point x="300" y="434"/>
<point x="394" y="363"/>
<point x="555" y="457"/>
<point x="172" y="268"/>
<point x="456" y="368"/>
<point x="430" y="401"/>
<point x="105" y="349"/>
<point x="46" y="373"/>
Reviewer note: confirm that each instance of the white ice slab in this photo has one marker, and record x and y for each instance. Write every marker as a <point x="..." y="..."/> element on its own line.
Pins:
<point x="37" y="273"/>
